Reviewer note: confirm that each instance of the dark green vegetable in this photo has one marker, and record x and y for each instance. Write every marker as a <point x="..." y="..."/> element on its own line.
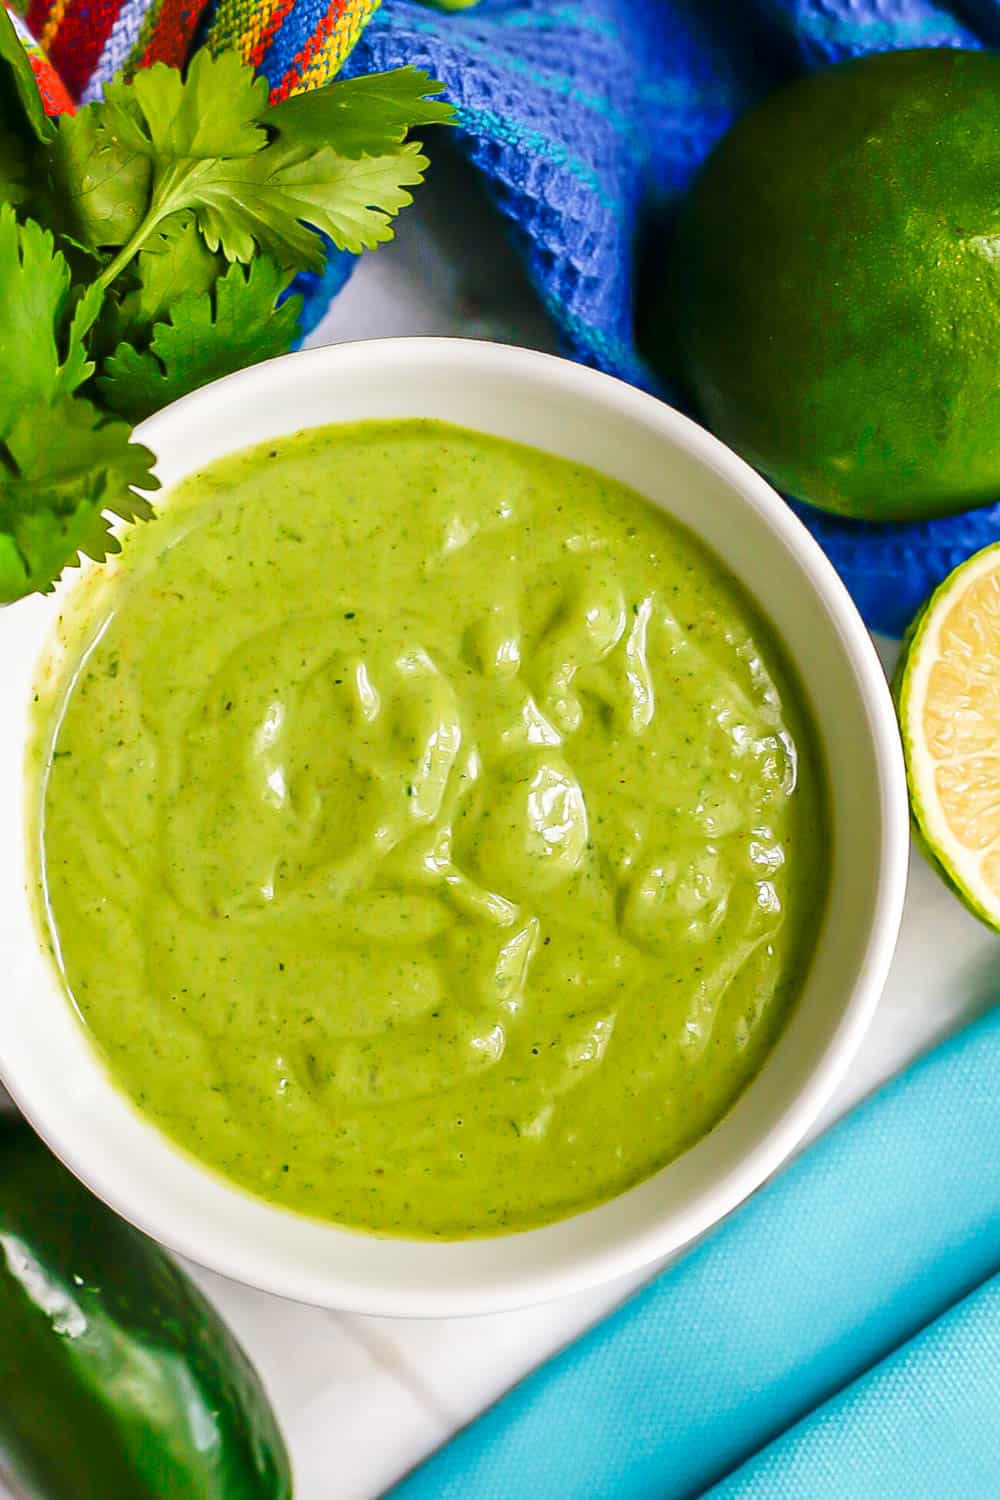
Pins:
<point x="118" y="1381"/>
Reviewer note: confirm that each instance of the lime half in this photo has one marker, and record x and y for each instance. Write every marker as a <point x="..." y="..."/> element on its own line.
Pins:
<point x="948" y="694"/>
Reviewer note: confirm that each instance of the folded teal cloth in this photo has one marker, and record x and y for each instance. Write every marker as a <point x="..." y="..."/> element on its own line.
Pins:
<point x="923" y="1425"/>
<point x="796" y="1324"/>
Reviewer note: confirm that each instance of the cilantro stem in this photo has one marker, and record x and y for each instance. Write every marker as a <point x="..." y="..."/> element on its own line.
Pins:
<point x="115" y="267"/>
<point x="163" y="202"/>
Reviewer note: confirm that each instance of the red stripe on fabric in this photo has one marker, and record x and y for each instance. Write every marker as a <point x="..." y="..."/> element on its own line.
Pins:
<point x="308" y="52"/>
<point x="36" y="16"/>
<point x="55" y="95"/>
<point x="256" y="53"/>
<point x="79" y="41"/>
<point x="172" y="33"/>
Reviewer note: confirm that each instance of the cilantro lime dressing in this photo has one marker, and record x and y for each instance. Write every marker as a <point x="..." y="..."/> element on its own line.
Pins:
<point x="433" y="835"/>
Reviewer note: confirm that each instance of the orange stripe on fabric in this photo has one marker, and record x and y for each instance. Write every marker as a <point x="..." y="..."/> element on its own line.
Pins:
<point x="55" y="95"/>
<point x="53" y="20"/>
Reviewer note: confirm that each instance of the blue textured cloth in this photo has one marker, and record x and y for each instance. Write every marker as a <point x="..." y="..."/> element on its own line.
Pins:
<point x="588" y="119"/>
<point x="821" y="1328"/>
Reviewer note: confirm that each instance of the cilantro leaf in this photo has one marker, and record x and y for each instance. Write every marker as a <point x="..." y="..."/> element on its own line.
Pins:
<point x="366" y="116"/>
<point x="173" y="262"/>
<point x="353" y="199"/>
<point x="42" y="352"/>
<point x="150" y="194"/>
<point x="77" y="366"/>
<point x="268" y="200"/>
<point x="209" y="334"/>
<point x="212" y="111"/>
<point x="240" y="209"/>
<point x="24" y="125"/>
<point x="13" y="168"/>
<point x="61" y="468"/>
<point x="21" y="107"/>
<point x="100" y="186"/>
<point x="109" y="158"/>
<point x="208" y="143"/>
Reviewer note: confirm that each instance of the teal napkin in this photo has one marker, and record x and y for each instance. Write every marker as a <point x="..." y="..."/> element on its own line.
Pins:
<point x="922" y="1425"/>
<point x="824" y="1318"/>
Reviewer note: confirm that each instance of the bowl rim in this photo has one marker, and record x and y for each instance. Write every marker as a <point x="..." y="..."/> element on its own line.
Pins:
<point x="675" y="1228"/>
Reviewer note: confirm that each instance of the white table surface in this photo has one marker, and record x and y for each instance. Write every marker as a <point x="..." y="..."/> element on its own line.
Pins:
<point x="363" y="1399"/>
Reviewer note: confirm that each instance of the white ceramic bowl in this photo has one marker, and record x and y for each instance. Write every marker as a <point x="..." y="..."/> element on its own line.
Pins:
<point x="49" y="1067"/>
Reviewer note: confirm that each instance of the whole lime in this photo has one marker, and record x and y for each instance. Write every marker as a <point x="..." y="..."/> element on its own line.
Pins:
<point x="835" y="287"/>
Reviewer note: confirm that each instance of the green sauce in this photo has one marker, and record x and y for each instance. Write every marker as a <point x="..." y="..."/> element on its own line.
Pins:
<point x="433" y="835"/>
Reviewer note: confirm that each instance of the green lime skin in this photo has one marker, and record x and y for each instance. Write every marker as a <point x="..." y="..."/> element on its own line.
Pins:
<point x="834" y="288"/>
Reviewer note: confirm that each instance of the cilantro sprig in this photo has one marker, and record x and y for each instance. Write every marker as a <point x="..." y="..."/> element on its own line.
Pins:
<point x="66" y="468"/>
<point x="147" y="243"/>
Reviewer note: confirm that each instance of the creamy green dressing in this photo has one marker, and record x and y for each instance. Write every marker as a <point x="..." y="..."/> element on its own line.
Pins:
<point x="433" y="835"/>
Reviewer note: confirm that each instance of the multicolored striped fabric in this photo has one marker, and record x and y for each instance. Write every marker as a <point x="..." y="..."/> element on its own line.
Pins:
<point x="88" y="41"/>
<point x="588" y="119"/>
<point x="297" y="43"/>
